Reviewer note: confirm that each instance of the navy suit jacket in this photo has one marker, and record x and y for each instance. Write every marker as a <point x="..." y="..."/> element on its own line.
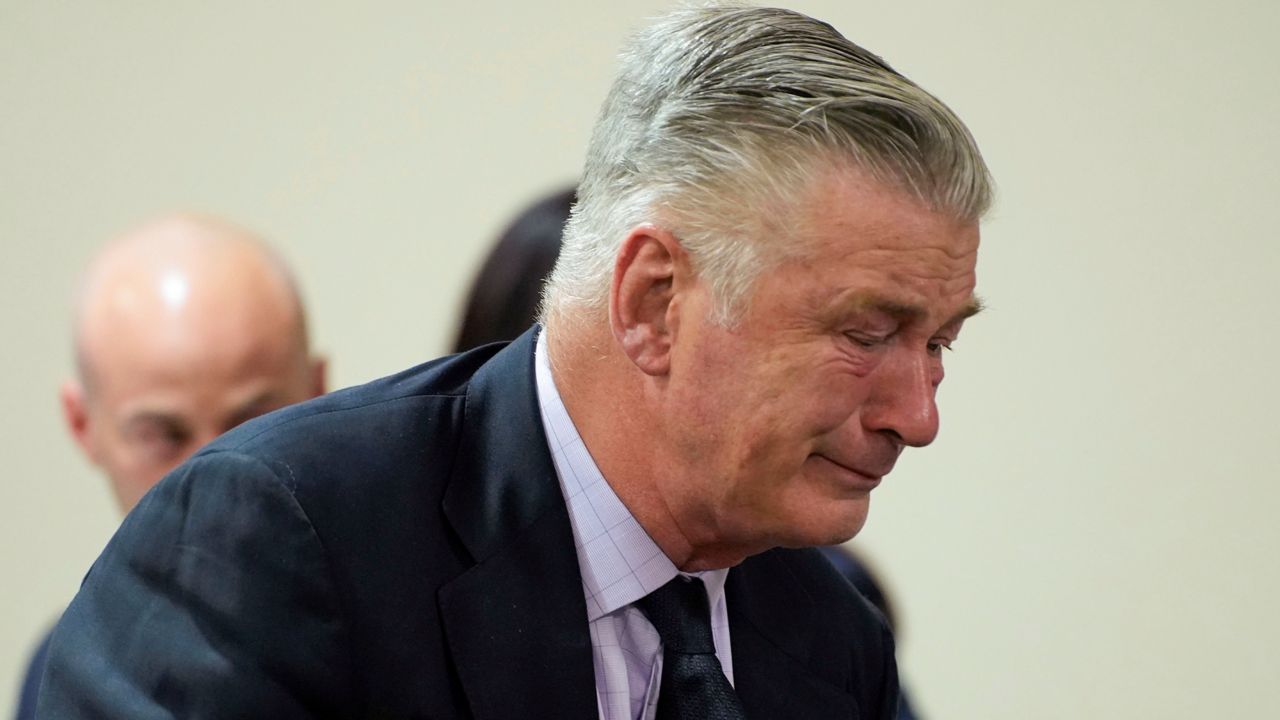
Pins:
<point x="402" y="550"/>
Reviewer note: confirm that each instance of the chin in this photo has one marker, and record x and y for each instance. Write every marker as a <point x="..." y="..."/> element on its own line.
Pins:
<point x="839" y="521"/>
<point x="843" y="533"/>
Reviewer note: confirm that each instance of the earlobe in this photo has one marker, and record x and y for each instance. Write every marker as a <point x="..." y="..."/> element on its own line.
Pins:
<point x="642" y="296"/>
<point x="76" y="415"/>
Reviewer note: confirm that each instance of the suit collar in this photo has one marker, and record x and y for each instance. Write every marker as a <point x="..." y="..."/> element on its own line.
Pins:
<point x="503" y="479"/>
<point x="516" y="622"/>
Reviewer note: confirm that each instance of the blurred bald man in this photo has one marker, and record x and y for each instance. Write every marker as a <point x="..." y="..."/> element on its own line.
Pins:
<point x="185" y="327"/>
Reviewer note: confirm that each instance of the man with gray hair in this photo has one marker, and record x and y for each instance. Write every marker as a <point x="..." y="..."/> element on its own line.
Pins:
<point x="774" y="244"/>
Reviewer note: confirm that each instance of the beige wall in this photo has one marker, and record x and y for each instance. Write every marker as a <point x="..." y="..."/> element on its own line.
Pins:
<point x="1095" y="533"/>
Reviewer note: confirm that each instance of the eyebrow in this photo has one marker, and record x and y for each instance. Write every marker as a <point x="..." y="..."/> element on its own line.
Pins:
<point x="972" y="306"/>
<point x="251" y="408"/>
<point x="904" y="312"/>
<point x="247" y="410"/>
<point x="152" y="417"/>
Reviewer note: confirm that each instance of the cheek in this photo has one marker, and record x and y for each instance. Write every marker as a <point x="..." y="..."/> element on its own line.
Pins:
<point x="136" y="470"/>
<point x="830" y="397"/>
<point x="775" y="440"/>
<point x="115" y="453"/>
<point x="786" y="413"/>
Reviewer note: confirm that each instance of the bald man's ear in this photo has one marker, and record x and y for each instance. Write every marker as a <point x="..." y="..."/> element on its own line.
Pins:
<point x="75" y="412"/>
<point x="319" y="375"/>
<point x="643" y="300"/>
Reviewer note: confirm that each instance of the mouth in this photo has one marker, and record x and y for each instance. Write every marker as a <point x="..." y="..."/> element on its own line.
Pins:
<point x="859" y="478"/>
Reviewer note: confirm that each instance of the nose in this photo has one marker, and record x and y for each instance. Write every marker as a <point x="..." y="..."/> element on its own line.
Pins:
<point x="902" y="400"/>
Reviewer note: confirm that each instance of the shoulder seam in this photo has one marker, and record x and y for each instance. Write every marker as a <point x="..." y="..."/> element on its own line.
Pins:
<point x="285" y="423"/>
<point x="290" y="489"/>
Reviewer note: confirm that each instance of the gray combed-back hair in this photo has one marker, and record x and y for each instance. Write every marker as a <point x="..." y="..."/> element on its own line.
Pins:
<point x="719" y="118"/>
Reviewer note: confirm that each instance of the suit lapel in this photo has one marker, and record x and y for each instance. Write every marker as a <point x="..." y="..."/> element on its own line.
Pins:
<point x="516" y="623"/>
<point x="517" y="629"/>
<point x="772" y="631"/>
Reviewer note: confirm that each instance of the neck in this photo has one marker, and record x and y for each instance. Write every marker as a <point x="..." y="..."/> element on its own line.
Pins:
<point x="614" y="408"/>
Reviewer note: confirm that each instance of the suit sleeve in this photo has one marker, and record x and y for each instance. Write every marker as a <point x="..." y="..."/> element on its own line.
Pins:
<point x="213" y="600"/>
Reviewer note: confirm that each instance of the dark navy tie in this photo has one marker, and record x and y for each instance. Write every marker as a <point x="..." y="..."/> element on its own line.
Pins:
<point x="693" y="683"/>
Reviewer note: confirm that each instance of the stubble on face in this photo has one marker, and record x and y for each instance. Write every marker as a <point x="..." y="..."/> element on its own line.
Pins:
<point x="786" y="421"/>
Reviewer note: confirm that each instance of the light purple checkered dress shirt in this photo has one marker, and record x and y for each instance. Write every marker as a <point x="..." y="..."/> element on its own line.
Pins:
<point x="620" y="564"/>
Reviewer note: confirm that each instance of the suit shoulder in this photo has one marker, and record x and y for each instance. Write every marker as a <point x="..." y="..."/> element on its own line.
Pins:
<point x="832" y="592"/>
<point x="379" y="411"/>
<point x="808" y="611"/>
<point x="363" y="441"/>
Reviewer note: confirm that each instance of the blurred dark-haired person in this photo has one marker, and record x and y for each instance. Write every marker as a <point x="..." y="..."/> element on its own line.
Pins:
<point x="184" y="327"/>
<point x="503" y="300"/>
<point x="774" y="241"/>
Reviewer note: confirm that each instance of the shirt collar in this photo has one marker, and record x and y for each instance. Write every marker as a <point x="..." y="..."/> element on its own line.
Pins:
<point x="618" y="560"/>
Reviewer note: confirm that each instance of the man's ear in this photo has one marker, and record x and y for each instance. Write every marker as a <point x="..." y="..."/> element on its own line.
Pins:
<point x="641" y="300"/>
<point x="75" y="412"/>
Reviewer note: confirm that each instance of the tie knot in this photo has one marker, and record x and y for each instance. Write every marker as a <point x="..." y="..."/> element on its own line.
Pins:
<point x="680" y="613"/>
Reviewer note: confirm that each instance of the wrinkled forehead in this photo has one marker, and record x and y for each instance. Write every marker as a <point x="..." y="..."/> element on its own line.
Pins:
<point x="846" y="216"/>
<point x="840" y="208"/>
<point x="856" y="245"/>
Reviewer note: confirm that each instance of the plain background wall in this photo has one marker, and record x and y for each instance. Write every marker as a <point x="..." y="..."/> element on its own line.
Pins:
<point x="1094" y="534"/>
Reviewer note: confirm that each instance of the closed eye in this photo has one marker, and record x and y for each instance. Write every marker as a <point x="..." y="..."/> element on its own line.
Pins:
<point x="865" y="341"/>
<point x="157" y="434"/>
